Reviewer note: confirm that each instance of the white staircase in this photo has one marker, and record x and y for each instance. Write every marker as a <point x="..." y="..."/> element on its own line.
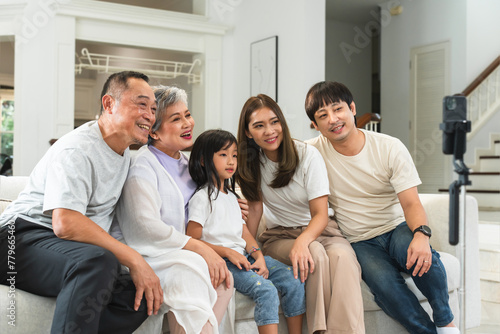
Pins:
<point x="485" y="176"/>
<point x="486" y="189"/>
<point x="489" y="257"/>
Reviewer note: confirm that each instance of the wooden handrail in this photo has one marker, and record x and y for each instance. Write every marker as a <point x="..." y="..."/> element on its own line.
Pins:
<point x="367" y="118"/>
<point x="481" y="77"/>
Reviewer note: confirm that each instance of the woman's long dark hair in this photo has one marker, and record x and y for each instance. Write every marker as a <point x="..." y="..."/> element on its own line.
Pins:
<point x="201" y="161"/>
<point x="249" y="176"/>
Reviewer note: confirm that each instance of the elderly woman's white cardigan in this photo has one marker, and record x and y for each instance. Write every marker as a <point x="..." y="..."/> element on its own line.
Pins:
<point x="150" y="214"/>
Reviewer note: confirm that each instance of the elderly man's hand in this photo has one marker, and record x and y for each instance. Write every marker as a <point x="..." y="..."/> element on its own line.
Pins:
<point x="147" y="284"/>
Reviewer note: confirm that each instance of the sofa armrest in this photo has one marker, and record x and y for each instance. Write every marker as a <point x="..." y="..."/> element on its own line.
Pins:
<point x="437" y="209"/>
<point x="11" y="186"/>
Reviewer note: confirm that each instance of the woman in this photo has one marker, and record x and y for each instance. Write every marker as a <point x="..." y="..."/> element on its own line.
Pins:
<point x="290" y="178"/>
<point x="152" y="216"/>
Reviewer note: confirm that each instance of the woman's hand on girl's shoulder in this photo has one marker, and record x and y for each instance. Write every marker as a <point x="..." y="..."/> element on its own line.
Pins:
<point x="244" y="208"/>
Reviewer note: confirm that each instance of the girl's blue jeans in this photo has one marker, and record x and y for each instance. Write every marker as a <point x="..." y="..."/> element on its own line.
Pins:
<point x="382" y="259"/>
<point x="264" y="292"/>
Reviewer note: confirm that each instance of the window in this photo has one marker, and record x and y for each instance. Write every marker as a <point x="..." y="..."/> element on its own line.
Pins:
<point x="6" y="132"/>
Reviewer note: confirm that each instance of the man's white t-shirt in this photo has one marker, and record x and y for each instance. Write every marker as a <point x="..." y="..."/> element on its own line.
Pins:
<point x="289" y="205"/>
<point x="79" y="172"/>
<point x="222" y="222"/>
<point x="364" y="187"/>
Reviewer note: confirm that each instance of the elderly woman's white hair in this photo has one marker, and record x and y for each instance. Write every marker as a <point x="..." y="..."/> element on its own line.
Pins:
<point x="166" y="96"/>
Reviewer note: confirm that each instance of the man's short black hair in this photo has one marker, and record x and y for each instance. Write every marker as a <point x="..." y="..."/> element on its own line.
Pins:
<point x="324" y="93"/>
<point x="118" y="82"/>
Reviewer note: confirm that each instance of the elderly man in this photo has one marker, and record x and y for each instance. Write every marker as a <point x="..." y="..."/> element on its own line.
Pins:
<point x="62" y="218"/>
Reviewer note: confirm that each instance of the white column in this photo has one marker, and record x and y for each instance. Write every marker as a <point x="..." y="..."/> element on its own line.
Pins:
<point x="44" y="84"/>
<point x="206" y="96"/>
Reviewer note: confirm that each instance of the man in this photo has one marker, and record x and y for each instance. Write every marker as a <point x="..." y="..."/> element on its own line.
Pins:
<point x="62" y="218"/>
<point x="373" y="186"/>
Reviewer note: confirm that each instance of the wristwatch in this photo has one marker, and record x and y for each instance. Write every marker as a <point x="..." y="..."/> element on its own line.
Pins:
<point x="426" y="230"/>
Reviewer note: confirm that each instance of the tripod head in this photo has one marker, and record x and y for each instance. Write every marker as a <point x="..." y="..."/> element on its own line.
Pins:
<point x="455" y="126"/>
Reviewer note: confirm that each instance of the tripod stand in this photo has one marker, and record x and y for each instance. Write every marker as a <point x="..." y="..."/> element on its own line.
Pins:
<point x="457" y="227"/>
<point x="455" y="127"/>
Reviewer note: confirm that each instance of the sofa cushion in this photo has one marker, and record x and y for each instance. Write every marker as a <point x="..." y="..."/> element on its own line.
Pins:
<point x="32" y="314"/>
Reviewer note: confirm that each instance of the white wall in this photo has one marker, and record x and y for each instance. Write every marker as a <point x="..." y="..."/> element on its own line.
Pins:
<point x="348" y="60"/>
<point x="483" y="29"/>
<point x="300" y="27"/>
<point x="422" y="23"/>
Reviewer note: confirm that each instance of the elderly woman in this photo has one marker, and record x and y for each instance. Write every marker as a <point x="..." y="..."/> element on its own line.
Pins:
<point x="152" y="216"/>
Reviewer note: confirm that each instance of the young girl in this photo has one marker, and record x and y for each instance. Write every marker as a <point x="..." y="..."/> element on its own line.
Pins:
<point x="215" y="217"/>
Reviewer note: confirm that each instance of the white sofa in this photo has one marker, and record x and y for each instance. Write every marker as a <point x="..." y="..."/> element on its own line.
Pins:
<point x="33" y="313"/>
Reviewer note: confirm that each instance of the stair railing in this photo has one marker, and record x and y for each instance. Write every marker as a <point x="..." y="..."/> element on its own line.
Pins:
<point x="370" y="122"/>
<point x="483" y="96"/>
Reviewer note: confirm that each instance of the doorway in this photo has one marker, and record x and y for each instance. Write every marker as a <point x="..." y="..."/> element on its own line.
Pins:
<point x="429" y="83"/>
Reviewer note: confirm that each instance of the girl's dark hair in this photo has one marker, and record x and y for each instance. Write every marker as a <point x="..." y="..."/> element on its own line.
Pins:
<point x="249" y="176"/>
<point x="325" y="93"/>
<point x="201" y="162"/>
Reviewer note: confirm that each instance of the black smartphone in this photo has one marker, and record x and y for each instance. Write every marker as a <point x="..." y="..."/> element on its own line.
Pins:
<point x="454" y="117"/>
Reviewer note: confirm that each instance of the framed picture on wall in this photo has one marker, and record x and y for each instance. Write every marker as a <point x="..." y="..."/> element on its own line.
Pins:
<point x="264" y="67"/>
